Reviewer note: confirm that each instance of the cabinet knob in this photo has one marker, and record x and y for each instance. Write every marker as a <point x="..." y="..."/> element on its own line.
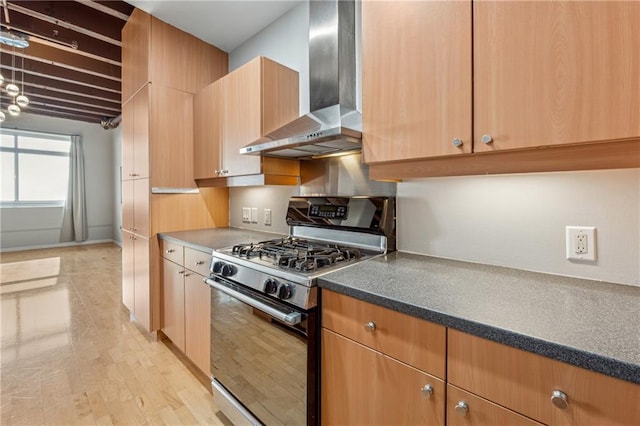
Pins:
<point x="462" y="408"/>
<point x="559" y="399"/>
<point x="487" y="139"/>
<point x="225" y="172"/>
<point x="187" y="275"/>
<point x="216" y="172"/>
<point x="457" y="142"/>
<point x="170" y="250"/>
<point x="370" y="326"/>
<point x="200" y="262"/>
<point x="180" y="272"/>
<point x="427" y="391"/>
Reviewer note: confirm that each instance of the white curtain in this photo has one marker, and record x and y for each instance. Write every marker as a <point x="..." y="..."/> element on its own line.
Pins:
<point x="74" y="222"/>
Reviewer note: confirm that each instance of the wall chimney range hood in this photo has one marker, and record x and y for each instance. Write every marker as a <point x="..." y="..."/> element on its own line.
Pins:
<point x="334" y="126"/>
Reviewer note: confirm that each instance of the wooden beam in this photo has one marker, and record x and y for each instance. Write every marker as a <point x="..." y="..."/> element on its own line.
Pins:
<point x="42" y="104"/>
<point x="105" y="8"/>
<point x="57" y="73"/>
<point x="59" y="114"/>
<point x="55" y="96"/>
<point x="120" y="6"/>
<point x="71" y="15"/>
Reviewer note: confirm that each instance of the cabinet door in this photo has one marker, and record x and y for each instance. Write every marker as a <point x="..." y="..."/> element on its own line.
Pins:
<point x="197" y="318"/>
<point x="141" y="207"/>
<point x="135" y="53"/>
<point x="141" y="134"/>
<point x="173" y="302"/>
<point x="128" y="274"/>
<point x="549" y="73"/>
<point x="172" y="134"/>
<point x="480" y="412"/>
<point x="128" y="135"/>
<point x="416" y="79"/>
<point x="362" y="386"/>
<point x="128" y="203"/>
<point x="142" y="280"/>
<point x="208" y="109"/>
<point x="242" y="118"/>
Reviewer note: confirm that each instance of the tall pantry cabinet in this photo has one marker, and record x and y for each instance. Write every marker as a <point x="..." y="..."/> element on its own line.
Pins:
<point x="162" y="68"/>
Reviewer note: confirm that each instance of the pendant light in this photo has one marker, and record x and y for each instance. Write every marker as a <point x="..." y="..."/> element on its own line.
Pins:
<point x="22" y="99"/>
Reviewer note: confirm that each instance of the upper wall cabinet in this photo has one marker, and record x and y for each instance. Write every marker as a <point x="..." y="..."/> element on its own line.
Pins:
<point x="560" y="75"/>
<point x="234" y="111"/>
<point x="416" y="79"/>
<point x="160" y="53"/>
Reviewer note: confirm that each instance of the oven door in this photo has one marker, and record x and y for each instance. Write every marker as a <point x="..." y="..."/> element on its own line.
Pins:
<point x="259" y="356"/>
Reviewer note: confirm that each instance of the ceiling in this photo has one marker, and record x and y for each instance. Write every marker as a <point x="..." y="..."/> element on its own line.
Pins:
<point x="72" y="65"/>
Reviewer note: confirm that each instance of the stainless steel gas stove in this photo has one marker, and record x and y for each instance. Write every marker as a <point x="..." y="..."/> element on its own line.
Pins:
<point x="264" y="298"/>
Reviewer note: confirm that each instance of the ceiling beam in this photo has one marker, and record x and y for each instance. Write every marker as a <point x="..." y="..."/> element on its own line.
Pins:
<point x="60" y="106"/>
<point x="55" y="72"/>
<point x="91" y="26"/>
<point x="63" y="36"/>
<point x="120" y="6"/>
<point x="104" y="8"/>
<point x="56" y="97"/>
<point x="58" y="114"/>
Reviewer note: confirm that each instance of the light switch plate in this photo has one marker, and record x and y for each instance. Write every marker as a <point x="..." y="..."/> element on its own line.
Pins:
<point x="246" y="214"/>
<point x="254" y="215"/>
<point x="267" y="216"/>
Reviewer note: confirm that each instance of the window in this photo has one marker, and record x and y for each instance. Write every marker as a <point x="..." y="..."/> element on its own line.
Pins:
<point x="35" y="167"/>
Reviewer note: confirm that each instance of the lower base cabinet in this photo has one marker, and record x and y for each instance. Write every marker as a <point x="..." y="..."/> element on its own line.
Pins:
<point x="466" y="409"/>
<point x="363" y="386"/>
<point x="186" y="302"/>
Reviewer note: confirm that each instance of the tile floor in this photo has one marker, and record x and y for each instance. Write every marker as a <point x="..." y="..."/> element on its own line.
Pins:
<point x="70" y="355"/>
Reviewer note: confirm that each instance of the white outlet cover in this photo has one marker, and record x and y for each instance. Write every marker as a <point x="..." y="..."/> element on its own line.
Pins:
<point x="246" y="214"/>
<point x="584" y="254"/>
<point x="267" y="216"/>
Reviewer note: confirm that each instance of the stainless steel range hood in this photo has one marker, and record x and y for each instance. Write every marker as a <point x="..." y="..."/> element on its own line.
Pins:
<point x="333" y="126"/>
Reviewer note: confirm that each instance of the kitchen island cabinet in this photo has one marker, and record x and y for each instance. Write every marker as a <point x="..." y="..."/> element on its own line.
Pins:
<point x="236" y="110"/>
<point x="546" y="97"/>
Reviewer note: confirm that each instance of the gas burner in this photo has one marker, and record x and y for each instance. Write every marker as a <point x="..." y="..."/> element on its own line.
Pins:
<point x="297" y="254"/>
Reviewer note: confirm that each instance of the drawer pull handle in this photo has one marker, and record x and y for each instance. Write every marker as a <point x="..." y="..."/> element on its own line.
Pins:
<point x="559" y="399"/>
<point x="200" y="262"/>
<point x="171" y="250"/>
<point x="187" y="275"/>
<point x="180" y="272"/>
<point x="462" y="408"/>
<point x="427" y="391"/>
<point x="370" y="326"/>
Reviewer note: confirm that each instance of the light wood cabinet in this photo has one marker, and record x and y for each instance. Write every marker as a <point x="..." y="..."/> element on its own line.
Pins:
<point x="419" y="343"/>
<point x="538" y="82"/>
<point x="162" y="68"/>
<point x="376" y="363"/>
<point x="524" y="382"/>
<point x="154" y="51"/>
<point x="416" y="79"/>
<point x="173" y="306"/>
<point x="466" y="409"/>
<point x="136" y="277"/>
<point x="186" y="302"/>
<point x="244" y="105"/>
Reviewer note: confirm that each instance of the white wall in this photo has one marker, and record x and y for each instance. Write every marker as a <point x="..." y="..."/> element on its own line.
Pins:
<point x="284" y="41"/>
<point x="519" y="220"/>
<point x="116" y="141"/>
<point x="37" y="226"/>
<point x="261" y="197"/>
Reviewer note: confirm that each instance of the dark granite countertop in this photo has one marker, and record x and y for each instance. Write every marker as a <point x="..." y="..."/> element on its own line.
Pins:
<point x="590" y="324"/>
<point x="207" y="240"/>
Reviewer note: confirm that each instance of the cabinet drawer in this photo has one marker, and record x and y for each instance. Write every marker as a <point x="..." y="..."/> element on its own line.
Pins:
<point x="524" y="382"/>
<point x="416" y="342"/>
<point x="364" y="387"/>
<point x="480" y="411"/>
<point x="197" y="261"/>
<point x="172" y="251"/>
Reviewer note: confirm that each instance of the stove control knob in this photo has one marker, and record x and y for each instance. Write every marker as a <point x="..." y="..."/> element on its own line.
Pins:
<point x="228" y="270"/>
<point x="217" y="267"/>
<point x="285" y="292"/>
<point x="270" y="286"/>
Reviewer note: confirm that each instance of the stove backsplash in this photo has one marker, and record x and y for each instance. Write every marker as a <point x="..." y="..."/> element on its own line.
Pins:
<point x="345" y="175"/>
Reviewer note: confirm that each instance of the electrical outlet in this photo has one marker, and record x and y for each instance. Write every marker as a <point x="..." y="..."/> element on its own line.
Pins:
<point x="254" y="215"/>
<point x="246" y="214"/>
<point x="581" y="243"/>
<point x="267" y="216"/>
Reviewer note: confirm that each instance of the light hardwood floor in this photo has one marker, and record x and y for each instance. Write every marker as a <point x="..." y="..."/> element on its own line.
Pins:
<point x="70" y="355"/>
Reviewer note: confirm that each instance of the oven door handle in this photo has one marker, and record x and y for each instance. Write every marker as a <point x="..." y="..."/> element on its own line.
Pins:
<point x="292" y="318"/>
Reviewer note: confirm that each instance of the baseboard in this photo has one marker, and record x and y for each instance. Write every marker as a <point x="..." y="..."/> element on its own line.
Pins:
<point x="60" y="245"/>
